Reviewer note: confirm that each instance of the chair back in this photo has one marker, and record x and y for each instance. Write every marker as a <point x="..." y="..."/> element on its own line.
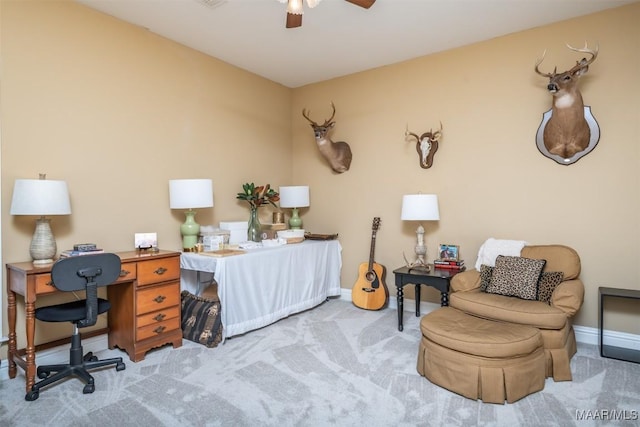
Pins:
<point x="86" y="273"/>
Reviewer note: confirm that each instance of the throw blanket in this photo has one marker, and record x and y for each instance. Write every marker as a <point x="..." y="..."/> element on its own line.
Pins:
<point x="491" y="248"/>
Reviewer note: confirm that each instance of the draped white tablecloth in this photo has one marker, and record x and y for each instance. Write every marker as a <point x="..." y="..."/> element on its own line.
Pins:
<point x="267" y="284"/>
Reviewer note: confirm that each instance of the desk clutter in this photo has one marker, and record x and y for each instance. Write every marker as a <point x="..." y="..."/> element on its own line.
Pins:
<point x="81" y="249"/>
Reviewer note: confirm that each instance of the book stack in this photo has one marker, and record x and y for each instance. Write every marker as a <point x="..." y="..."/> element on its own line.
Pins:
<point x="448" y="264"/>
<point x="81" y="249"/>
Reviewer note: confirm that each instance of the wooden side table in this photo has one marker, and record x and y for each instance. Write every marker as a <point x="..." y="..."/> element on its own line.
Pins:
<point x="437" y="278"/>
<point x="610" y="351"/>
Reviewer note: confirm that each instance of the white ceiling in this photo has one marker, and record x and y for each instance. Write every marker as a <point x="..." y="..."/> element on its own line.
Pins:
<point x="337" y="38"/>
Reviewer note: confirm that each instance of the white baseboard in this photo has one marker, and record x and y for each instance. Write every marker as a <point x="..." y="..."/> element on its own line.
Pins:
<point x="584" y="334"/>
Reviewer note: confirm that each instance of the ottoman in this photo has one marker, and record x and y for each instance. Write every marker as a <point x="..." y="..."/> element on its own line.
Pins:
<point x="480" y="358"/>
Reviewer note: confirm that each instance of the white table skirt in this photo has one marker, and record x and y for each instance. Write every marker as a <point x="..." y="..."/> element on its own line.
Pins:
<point x="265" y="285"/>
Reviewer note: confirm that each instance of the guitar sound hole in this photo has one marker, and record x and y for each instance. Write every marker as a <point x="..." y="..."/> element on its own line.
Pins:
<point x="370" y="276"/>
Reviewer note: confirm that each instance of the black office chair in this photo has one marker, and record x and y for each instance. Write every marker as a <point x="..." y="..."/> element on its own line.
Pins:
<point x="79" y="273"/>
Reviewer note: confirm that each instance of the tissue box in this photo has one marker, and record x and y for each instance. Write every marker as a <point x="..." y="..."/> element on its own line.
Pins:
<point x="238" y="230"/>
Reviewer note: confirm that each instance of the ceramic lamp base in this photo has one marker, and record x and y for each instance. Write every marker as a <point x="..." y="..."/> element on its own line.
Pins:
<point x="189" y="230"/>
<point x="295" y="222"/>
<point x="43" y="245"/>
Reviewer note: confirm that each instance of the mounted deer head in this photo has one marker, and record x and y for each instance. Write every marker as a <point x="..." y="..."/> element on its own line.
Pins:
<point x="426" y="145"/>
<point x="567" y="131"/>
<point x="338" y="154"/>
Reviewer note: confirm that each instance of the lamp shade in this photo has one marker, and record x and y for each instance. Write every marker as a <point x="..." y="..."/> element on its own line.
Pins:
<point x="420" y="207"/>
<point x="294" y="196"/>
<point x="190" y="193"/>
<point x="40" y="197"/>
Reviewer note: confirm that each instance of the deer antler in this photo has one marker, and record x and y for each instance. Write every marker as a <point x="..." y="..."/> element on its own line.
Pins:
<point x="539" y="61"/>
<point x="437" y="135"/>
<point x="407" y="134"/>
<point x="326" y="122"/>
<point x="584" y="62"/>
<point x="305" y="114"/>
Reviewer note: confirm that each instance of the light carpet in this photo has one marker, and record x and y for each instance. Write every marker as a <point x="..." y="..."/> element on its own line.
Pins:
<point x="333" y="365"/>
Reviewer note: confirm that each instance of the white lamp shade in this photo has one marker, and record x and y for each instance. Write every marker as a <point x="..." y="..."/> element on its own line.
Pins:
<point x="190" y="193"/>
<point x="420" y="207"/>
<point x="40" y="197"/>
<point x="294" y="196"/>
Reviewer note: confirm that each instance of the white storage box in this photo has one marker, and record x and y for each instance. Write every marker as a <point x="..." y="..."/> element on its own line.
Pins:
<point x="238" y="230"/>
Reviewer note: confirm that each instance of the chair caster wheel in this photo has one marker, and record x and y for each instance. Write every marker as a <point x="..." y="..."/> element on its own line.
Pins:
<point x="89" y="357"/>
<point x="32" y="395"/>
<point x="121" y="367"/>
<point x="89" y="388"/>
<point x="43" y="374"/>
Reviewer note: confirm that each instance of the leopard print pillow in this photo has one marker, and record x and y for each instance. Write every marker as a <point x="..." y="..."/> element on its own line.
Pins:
<point x="516" y="276"/>
<point x="547" y="284"/>
<point x="485" y="276"/>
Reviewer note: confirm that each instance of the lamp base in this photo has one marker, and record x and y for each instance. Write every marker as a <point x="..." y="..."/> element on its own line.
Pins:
<point x="189" y="230"/>
<point x="295" y="222"/>
<point x="421" y="252"/>
<point x="43" y="245"/>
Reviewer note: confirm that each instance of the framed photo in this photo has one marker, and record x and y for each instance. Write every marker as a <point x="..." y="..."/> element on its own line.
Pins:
<point x="145" y="240"/>
<point x="449" y="252"/>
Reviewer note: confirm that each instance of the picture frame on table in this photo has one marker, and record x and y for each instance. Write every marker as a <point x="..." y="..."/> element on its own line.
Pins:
<point x="145" y="241"/>
<point x="449" y="252"/>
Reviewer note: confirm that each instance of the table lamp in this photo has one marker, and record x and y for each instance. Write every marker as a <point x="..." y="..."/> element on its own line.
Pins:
<point x="420" y="207"/>
<point x="41" y="197"/>
<point x="294" y="197"/>
<point x="190" y="194"/>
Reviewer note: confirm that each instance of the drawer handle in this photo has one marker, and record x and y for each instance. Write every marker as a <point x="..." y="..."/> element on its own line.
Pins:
<point x="159" y="317"/>
<point x="159" y="329"/>
<point x="159" y="298"/>
<point x="50" y="283"/>
<point x="124" y="273"/>
<point x="160" y="271"/>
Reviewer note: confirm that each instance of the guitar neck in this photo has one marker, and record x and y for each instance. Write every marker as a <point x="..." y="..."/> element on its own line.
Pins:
<point x="372" y="250"/>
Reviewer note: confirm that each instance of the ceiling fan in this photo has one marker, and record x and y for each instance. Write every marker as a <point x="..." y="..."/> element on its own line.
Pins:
<point x="294" y="9"/>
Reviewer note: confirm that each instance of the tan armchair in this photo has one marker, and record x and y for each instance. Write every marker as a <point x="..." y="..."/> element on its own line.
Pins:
<point x="553" y="319"/>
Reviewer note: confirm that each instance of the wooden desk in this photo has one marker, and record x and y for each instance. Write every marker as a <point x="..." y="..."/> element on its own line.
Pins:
<point x="265" y="285"/>
<point x="145" y="310"/>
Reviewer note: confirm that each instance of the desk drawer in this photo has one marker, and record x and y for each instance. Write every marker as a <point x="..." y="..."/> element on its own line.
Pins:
<point x="158" y="270"/>
<point x="157" y="298"/>
<point x="44" y="284"/>
<point x="158" y="316"/>
<point x="127" y="272"/>
<point x="157" y="329"/>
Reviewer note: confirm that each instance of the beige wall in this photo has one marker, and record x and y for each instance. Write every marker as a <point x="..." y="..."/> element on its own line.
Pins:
<point x="489" y="176"/>
<point x="117" y="111"/>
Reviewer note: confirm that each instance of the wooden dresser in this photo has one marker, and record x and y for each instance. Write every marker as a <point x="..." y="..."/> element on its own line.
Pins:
<point x="145" y="306"/>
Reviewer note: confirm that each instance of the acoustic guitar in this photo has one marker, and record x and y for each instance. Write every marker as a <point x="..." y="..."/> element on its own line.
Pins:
<point x="370" y="291"/>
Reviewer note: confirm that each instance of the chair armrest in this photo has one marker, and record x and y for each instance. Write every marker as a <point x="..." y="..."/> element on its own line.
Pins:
<point x="465" y="281"/>
<point x="568" y="296"/>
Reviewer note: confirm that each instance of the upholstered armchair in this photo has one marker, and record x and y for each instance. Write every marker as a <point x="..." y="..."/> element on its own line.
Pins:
<point x="552" y="317"/>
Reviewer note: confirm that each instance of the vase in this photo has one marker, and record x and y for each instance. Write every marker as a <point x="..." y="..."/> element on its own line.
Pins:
<point x="254" y="232"/>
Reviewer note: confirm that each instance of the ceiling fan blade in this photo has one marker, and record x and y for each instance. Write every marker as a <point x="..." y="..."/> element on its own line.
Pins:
<point x="293" y="21"/>
<point x="363" y="3"/>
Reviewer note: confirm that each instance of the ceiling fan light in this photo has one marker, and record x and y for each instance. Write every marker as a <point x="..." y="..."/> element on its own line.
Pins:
<point x="295" y="7"/>
<point x="312" y="3"/>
